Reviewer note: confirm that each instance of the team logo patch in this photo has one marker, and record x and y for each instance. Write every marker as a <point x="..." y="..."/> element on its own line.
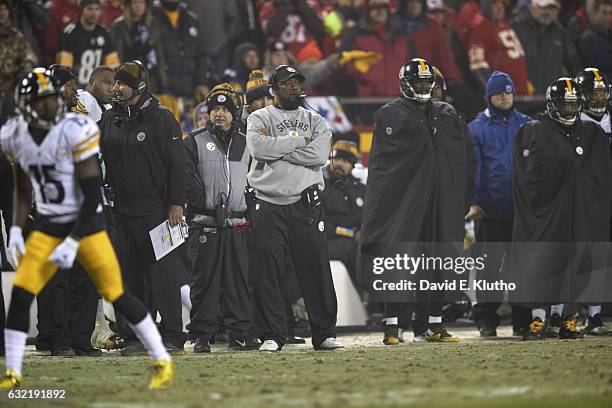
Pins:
<point x="321" y="226"/>
<point x="141" y="136"/>
<point x="62" y="153"/>
<point x="221" y="98"/>
<point x="193" y="31"/>
<point x="202" y="239"/>
<point x="359" y="202"/>
<point x="100" y="40"/>
<point x="257" y="206"/>
<point x="291" y="69"/>
<point x="579" y="150"/>
<point x="293" y="133"/>
<point x="508" y="89"/>
<point x="388" y="131"/>
<point x="211" y="146"/>
<point x="526" y="153"/>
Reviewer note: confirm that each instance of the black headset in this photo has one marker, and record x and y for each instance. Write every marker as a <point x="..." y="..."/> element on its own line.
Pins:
<point x="143" y="77"/>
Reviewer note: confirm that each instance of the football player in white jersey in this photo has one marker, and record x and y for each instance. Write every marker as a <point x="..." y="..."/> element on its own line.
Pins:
<point x="596" y="91"/>
<point x="55" y="155"/>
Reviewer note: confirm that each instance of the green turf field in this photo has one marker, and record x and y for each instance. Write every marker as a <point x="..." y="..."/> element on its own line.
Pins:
<point x="475" y="373"/>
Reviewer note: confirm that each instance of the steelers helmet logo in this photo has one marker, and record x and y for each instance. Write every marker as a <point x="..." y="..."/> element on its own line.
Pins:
<point x="508" y="89"/>
<point x="257" y="206"/>
<point x="388" y="131"/>
<point x="100" y="40"/>
<point x="193" y="31"/>
<point x="526" y="153"/>
<point x="293" y="133"/>
<point x="579" y="150"/>
<point x="291" y="69"/>
<point x="359" y="202"/>
<point x="321" y="226"/>
<point x="221" y="98"/>
<point x="203" y="239"/>
<point x="141" y="136"/>
<point x="211" y="146"/>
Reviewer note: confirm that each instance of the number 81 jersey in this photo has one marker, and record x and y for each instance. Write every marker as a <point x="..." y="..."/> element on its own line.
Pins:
<point x="51" y="164"/>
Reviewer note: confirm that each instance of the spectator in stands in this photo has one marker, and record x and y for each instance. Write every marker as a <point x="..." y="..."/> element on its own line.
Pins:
<point x="277" y="54"/>
<point x="246" y="59"/>
<point x="137" y="38"/>
<point x="85" y="45"/>
<point x="183" y="50"/>
<point x="493" y="133"/>
<point x="258" y="93"/>
<point x="494" y="46"/>
<point x="549" y="50"/>
<point x="374" y="33"/>
<point x="294" y="22"/>
<point x="17" y="55"/>
<point x="30" y="17"/>
<point x="221" y="26"/>
<point x="579" y="22"/>
<point x="596" y="43"/>
<point x="248" y="13"/>
<point x="426" y="38"/>
<point x="63" y="12"/>
<point x="111" y="10"/>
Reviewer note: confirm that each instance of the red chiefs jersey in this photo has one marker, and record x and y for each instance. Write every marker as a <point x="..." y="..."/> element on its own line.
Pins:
<point x="295" y="34"/>
<point x="493" y="45"/>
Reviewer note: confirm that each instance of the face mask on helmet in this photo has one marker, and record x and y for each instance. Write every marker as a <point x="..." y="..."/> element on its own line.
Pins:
<point x="39" y="100"/>
<point x="417" y="81"/>
<point x="564" y="101"/>
<point x="596" y="91"/>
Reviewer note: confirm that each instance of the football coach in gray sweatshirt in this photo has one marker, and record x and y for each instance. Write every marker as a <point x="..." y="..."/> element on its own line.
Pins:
<point x="289" y="146"/>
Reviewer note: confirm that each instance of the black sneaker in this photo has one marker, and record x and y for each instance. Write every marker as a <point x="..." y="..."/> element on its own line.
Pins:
<point x="295" y="340"/>
<point x="87" y="351"/>
<point x="391" y="337"/>
<point x="63" y="351"/>
<point x="174" y="350"/>
<point x="553" y="325"/>
<point x="201" y="345"/>
<point x="596" y="327"/>
<point x="568" y="330"/>
<point x="134" y="348"/>
<point x="535" y="331"/>
<point x="244" y="345"/>
<point x="488" y="332"/>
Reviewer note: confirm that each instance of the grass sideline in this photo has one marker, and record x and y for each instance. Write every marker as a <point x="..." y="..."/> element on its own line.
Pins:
<point x="552" y="373"/>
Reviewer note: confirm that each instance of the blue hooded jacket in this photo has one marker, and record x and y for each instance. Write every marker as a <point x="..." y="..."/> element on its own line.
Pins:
<point x="493" y="135"/>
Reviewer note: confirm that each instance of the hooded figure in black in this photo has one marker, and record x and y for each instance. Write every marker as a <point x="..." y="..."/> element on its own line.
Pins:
<point x="561" y="194"/>
<point x="420" y="183"/>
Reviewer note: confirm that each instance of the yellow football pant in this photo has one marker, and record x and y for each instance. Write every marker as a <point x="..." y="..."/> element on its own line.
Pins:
<point x="95" y="254"/>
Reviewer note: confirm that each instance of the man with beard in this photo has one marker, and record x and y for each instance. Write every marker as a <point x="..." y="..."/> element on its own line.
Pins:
<point x="420" y="183"/>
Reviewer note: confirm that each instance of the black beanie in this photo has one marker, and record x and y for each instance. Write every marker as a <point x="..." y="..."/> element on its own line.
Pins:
<point x="129" y="74"/>
<point x="61" y="74"/>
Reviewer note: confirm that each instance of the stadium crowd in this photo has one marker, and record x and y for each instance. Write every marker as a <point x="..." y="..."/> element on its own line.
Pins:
<point x="199" y="106"/>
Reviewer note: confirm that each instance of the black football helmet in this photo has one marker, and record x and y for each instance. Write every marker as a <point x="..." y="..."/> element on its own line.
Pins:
<point x="35" y="85"/>
<point x="417" y="80"/>
<point x="564" y="101"/>
<point x="595" y="89"/>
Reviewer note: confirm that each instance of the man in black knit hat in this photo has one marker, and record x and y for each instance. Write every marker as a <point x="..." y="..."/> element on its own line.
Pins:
<point x="144" y="156"/>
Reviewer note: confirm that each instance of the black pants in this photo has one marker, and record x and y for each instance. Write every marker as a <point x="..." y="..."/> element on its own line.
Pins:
<point x="280" y="232"/>
<point x="67" y="309"/>
<point x="220" y="289"/>
<point x="155" y="283"/>
<point x="495" y="231"/>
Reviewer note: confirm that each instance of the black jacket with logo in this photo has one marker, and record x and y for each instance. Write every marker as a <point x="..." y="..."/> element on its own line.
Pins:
<point x="144" y="157"/>
<point x="343" y="200"/>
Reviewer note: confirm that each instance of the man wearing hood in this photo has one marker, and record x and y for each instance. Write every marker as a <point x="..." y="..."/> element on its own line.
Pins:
<point x="493" y="133"/>
<point x="144" y="156"/>
<point x="246" y="59"/>
<point x="494" y="46"/>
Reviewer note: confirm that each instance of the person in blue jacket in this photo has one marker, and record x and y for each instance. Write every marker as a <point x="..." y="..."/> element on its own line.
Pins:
<point x="493" y="133"/>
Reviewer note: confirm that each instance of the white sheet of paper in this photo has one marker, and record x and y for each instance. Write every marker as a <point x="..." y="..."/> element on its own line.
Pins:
<point x="166" y="239"/>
